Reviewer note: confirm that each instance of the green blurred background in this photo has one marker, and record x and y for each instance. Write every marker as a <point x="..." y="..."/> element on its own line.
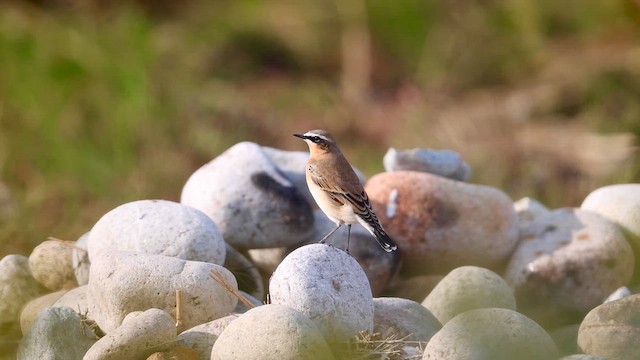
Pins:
<point x="104" y="102"/>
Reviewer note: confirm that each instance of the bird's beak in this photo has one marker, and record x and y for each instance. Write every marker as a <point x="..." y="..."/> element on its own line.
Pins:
<point x="300" y="136"/>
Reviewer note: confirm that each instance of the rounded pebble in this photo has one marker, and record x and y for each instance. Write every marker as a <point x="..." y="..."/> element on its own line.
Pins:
<point x="619" y="203"/>
<point x="158" y="227"/>
<point x="440" y="224"/>
<point x="57" y="333"/>
<point x="271" y="332"/>
<point x="51" y="265"/>
<point x="246" y="195"/>
<point x="138" y="337"/>
<point x="446" y="163"/>
<point x="398" y="318"/>
<point x="328" y="286"/>
<point x="570" y="263"/>
<point x="467" y="288"/>
<point x="202" y="337"/>
<point x="612" y="330"/>
<point x="17" y="287"/>
<point x="31" y="310"/>
<point x="122" y="282"/>
<point x="490" y="334"/>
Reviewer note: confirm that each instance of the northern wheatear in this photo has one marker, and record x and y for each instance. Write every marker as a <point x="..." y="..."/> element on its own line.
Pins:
<point x="337" y="189"/>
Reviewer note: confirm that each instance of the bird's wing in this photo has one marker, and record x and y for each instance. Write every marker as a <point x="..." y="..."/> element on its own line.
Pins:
<point x="345" y="192"/>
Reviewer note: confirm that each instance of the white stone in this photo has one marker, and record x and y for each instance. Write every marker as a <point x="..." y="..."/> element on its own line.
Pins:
<point x="202" y="337"/>
<point x="466" y="288"/>
<point x="328" y="286"/>
<point x="402" y="319"/>
<point x="51" y="265"/>
<point x="158" y="227"/>
<point x="122" y="282"/>
<point x="138" y="337"/>
<point x="252" y="202"/>
<point x="80" y="260"/>
<point x="17" y="287"/>
<point x="271" y="332"/>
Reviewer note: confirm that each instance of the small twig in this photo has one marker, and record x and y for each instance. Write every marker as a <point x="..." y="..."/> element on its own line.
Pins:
<point x="67" y="243"/>
<point x="179" y="323"/>
<point x="215" y="275"/>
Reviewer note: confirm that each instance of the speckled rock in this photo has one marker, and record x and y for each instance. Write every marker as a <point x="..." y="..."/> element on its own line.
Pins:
<point x="251" y="201"/>
<point x="158" y="227"/>
<point x="140" y="335"/>
<point x="619" y="203"/>
<point x="57" y="333"/>
<point x="571" y="262"/>
<point x="491" y="334"/>
<point x="399" y="318"/>
<point x="467" y="288"/>
<point x="32" y="308"/>
<point x="440" y="224"/>
<point x="17" y="287"/>
<point x="80" y="259"/>
<point x="446" y="163"/>
<point x="271" y="332"/>
<point x="50" y="264"/>
<point x="327" y="285"/>
<point x="379" y="266"/>
<point x="122" y="282"/>
<point x="612" y="330"/>
<point x="202" y="337"/>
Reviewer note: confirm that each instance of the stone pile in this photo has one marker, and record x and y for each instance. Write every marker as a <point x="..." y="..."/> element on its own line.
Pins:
<point x="233" y="271"/>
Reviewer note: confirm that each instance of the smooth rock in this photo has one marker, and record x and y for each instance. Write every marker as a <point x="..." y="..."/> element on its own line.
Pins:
<point x="328" y="286"/>
<point x="612" y="330"/>
<point x="158" y="227"/>
<point x="246" y="273"/>
<point x="271" y="332"/>
<point x="440" y="224"/>
<point x="619" y="203"/>
<point x="446" y="163"/>
<point x="491" y="334"/>
<point x="57" y="333"/>
<point x="404" y="319"/>
<point x="80" y="260"/>
<point x="139" y="336"/>
<point x="528" y="210"/>
<point x="122" y="282"/>
<point x="17" y="287"/>
<point x="572" y="260"/>
<point x="202" y="337"/>
<point x="50" y="264"/>
<point x="252" y="202"/>
<point x="379" y="265"/>
<point x="467" y="288"/>
<point x="31" y="310"/>
<point x="621" y="292"/>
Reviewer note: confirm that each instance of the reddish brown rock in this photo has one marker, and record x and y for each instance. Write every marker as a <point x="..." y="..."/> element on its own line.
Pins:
<point x="440" y="224"/>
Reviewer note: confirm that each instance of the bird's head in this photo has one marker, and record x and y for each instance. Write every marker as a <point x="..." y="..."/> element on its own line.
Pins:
<point x="318" y="140"/>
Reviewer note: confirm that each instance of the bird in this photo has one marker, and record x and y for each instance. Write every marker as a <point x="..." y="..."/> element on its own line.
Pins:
<point x="337" y="190"/>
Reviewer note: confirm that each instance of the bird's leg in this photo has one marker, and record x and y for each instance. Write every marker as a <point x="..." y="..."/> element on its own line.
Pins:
<point x="348" y="236"/>
<point x="329" y="234"/>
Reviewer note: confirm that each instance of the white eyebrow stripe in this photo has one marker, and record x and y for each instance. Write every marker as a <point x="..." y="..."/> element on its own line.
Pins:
<point x="318" y="135"/>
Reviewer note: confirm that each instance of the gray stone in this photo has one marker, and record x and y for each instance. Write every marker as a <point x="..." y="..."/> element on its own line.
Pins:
<point x="328" y="286"/>
<point x="446" y="163"/>
<point x="57" y="333"/>
<point x="570" y="263"/>
<point x="158" y="227"/>
<point x="17" y="287"/>
<point x="404" y="319"/>
<point x="80" y="260"/>
<point x="122" y="282"/>
<point x="31" y="310"/>
<point x="202" y="337"/>
<point x="440" y="224"/>
<point x="252" y="202"/>
<point x="467" y="288"/>
<point x="612" y="330"/>
<point x="491" y="334"/>
<point x="271" y="332"/>
<point x="140" y="335"/>
<point x="50" y="264"/>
